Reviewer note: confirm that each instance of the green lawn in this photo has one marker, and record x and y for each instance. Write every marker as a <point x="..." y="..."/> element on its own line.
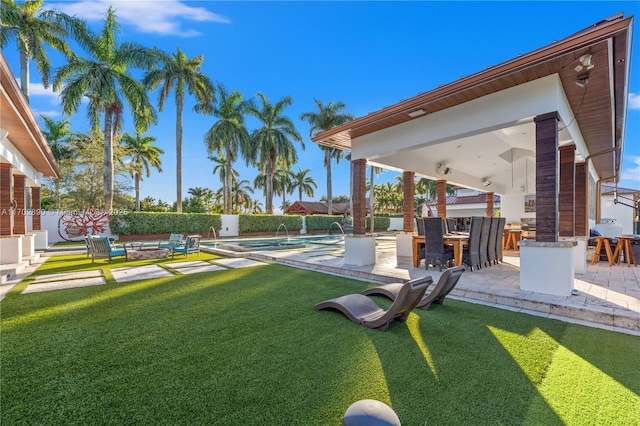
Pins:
<point x="246" y="346"/>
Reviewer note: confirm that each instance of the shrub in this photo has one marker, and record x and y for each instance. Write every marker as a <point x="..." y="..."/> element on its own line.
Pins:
<point x="269" y="223"/>
<point x="322" y="222"/>
<point x="144" y="223"/>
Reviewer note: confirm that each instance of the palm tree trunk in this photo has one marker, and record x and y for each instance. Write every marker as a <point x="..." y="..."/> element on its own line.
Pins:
<point x="24" y="74"/>
<point x="137" y="185"/>
<point x="179" y="104"/>
<point x="107" y="167"/>
<point x="269" y="193"/>
<point x="327" y="162"/>
<point x="227" y="185"/>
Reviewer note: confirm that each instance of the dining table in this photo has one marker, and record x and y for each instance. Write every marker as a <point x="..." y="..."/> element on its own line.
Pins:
<point x="457" y="240"/>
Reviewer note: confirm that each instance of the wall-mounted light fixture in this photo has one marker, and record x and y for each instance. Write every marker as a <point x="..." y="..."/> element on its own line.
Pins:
<point x="444" y="170"/>
<point x="417" y="113"/>
<point x="586" y="61"/>
<point x="582" y="80"/>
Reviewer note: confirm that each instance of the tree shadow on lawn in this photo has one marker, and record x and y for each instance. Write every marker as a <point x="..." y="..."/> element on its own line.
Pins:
<point x="228" y="347"/>
<point x="482" y="365"/>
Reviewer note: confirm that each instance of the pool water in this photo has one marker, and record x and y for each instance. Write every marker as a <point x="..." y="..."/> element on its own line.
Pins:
<point x="290" y="242"/>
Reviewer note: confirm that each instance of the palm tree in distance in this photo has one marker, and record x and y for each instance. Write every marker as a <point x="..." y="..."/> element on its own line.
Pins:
<point x="185" y="75"/>
<point x="272" y="141"/>
<point x="57" y="134"/>
<point x="326" y="117"/>
<point x="143" y="155"/>
<point x="33" y="28"/>
<point x="283" y="181"/>
<point x="240" y="194"/>
<point x="304" y="183"/>
<point x="104" y="78"/>
<point x="228" y="135"/>
<point x="221" y="169"/>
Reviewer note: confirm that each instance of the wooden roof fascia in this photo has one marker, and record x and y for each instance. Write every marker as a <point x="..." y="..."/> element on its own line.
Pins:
<point x="16" y="96"/>
<point x="603" y="30"/>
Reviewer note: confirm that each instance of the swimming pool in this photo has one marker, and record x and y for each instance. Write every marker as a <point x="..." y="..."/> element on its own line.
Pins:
<point x="275" y="243"/>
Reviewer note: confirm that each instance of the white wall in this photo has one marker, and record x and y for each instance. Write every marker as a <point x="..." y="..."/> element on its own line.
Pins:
<point x="623" y="214"/>
<point x="512" y="208"/>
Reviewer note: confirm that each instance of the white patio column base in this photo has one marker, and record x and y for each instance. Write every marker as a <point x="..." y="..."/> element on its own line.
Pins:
<point x="42" y="239"/>
<point x="359" y="250"/>
<point x="547" y="267"/>
<point x="28" y="245"/>
<point x="404" y="241"/>
<point x="11" y="249"/>
<point x="579" y="253"/>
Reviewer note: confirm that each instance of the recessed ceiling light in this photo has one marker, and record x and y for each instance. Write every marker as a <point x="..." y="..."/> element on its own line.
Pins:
<point x="417" y="113"/>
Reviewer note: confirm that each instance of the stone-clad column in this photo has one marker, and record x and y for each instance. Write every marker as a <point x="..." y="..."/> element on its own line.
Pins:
<point x="566" y="191"/>
<point x="35" y="205"/>
<point x="441" y="192"/>
<point x="359" y="196"/>
<point x="408" y="210"/>
<point x="489" y="204"/>
<point x="547" y="177"/>
<point x="6" y="214"/>
<point x="20" y="214"/>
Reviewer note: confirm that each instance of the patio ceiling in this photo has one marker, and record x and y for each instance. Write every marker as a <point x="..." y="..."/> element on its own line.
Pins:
<point x="23" y="130"/>
<point x="501" y="151"/>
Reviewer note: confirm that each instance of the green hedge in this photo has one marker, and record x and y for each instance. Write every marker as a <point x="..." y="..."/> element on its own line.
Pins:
<point x="144" y="223"/>
<point x="269" y="223"/>
<point x="379" y="222"/>
<point x="322" y="222"/>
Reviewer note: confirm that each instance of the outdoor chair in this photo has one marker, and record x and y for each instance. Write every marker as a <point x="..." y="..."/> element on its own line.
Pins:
<point x="451" y="226"/>
<point x="419" y="225"/>
<point x="484" y="241"/>
<point x="364" y="311"/>
<point x="88" y="244"/>
<point x="174" y="241"/>
<point x="499" y="234"/>
<point x="491" y="245"/>
<point x="102" y="248"/>
<point x="436" y="252"/>
<point x="446" y="283"/>
<point x="471" y="253"/>
<point x="191" y="245"/>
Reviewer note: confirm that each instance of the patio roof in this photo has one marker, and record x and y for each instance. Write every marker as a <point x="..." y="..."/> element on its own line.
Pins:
<point x="20" y="123"/>
<point x="594" y="117"/>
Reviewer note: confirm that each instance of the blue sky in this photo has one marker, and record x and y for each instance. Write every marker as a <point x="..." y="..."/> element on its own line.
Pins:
<point x="366" y="54"/>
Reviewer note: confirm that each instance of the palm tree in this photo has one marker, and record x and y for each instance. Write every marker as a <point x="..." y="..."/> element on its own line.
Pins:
<point x="283" y="181"/>
<point x="143" y="156"/>
<point x="104" y="79"/>
<point x="240" y="191"/>
<point x="221" y="169"/>
<point x="326" y="117"/>
<point x="57" y="134"/>
<point x="255" y="207"/>
<point x="273" y="141"/>
<point x="184" y="74"/>
<point x="304" y="183"/>
<point x="227" y="135"/>
<point x="33" y="28"/>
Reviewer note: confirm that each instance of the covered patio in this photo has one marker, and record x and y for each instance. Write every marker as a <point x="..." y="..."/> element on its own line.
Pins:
<point x="546" y="126"/>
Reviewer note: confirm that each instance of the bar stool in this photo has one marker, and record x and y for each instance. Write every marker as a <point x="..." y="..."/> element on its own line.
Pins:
<point x="603" y="241"/>
<point x="513" y="238"/>
<point x="624" y="246"/>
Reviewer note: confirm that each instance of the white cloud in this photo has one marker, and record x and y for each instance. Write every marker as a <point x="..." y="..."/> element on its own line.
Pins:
<point x="634" y="100"/>
<point x="153" y="17"/>
<point x="632" y="173"/>
<point x="37" y="89"/>
<point x="48" y="113"/>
